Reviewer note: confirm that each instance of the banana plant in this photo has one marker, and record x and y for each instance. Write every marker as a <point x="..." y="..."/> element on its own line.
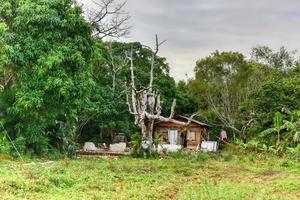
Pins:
<point x="292" y="126"/>
<point x="297" y="127"/>
<point x="297" y="137"/>
<point x="277" y="127"/>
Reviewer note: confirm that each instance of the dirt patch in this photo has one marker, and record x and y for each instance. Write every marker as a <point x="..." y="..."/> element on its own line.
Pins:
<point x="172" y="189"/>
<point x="266" y="176"/>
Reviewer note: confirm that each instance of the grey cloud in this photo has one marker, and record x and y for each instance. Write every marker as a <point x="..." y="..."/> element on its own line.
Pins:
<point x="195" y="28"/>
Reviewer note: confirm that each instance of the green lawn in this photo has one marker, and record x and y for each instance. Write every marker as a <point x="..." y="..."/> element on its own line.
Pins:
<point x="193" y="177"/>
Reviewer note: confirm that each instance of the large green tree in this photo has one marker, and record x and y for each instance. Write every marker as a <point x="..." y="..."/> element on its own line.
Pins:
<point x="280" y="91"/>
<point x="223" y="80"/>
<point x="244" y="94"/>
<point x="48" y="48"/>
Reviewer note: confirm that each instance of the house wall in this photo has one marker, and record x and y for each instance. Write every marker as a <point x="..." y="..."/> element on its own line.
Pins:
<point x="163" y="128"/>
<point x="163" y="134"/>
<point x="192" y="144"/>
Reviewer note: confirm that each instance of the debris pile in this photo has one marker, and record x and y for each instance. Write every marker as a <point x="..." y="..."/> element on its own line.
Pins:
<point x="117" y="149"/>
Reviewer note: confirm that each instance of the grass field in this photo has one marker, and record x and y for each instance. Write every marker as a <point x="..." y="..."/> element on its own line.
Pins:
<point x="217" y="176"/>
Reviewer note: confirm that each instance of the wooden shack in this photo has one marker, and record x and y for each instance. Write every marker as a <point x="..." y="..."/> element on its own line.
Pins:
<point x="187" y="136"/>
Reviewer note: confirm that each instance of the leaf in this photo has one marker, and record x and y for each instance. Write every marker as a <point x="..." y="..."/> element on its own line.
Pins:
<point x="264" y="147"/>
<point x="277" y="120"/>
<point x="297" y="136"/>
<point x="290" y="125"/>
<point x="267" y="132"/>
<point x="253" y="142"/>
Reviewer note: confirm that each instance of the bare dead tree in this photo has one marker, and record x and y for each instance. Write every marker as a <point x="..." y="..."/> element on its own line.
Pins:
<point x="145" y="104"/>
<point x="109" y="19"/>
<point x="115" y="64"/>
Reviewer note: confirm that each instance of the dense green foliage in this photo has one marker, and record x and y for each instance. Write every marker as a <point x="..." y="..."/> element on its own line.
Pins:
<point x="223" y="81"/>
<point x="58" y="79"/>
<point x="61" y="85"/>
<point x="48" y="47"/>
<point x="110" y="111"/>
<point x="244" y="95"/>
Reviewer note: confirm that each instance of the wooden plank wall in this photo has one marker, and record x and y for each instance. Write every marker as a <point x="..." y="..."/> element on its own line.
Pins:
<point x="190" y="144"/>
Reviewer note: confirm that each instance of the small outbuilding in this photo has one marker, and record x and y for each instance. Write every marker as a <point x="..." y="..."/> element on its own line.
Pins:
<point x="190" y="137"/>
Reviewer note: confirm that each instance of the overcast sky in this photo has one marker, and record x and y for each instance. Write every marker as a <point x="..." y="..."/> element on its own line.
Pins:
<point x="195" y="28"/>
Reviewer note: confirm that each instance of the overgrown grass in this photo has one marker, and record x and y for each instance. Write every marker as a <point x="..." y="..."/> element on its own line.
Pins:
<point x="178" y="176"/>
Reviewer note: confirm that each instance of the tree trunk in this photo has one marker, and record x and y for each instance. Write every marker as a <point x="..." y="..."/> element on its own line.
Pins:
<point x="114" y="81"/>
<point x="278" y="139"/>
<point x="146" y="106"/>
<point x="110" y="131"/>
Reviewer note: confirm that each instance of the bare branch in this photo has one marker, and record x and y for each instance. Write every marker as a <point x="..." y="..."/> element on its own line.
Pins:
<point x="163" y="119"/>
<point x="109" y="19"/>
<point x="129" y="106"/>
<point x="154" y="53"/>
<point x="116" y="63"/>
<point x="133" y="88"/>
<point x="146" y="104"/>
<point x="172" y="109"/>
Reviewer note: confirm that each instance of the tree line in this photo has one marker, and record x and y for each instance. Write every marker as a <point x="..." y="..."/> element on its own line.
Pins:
<point x="245" y="96"/>
<point x="63" y="83"/>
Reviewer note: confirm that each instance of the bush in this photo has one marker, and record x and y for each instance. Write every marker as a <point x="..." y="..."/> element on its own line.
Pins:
<point x="295" y="152"/>
<point x="136" y="141"/>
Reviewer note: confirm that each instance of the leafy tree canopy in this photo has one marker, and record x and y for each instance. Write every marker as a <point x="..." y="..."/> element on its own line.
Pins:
<point x="48" y="47"/>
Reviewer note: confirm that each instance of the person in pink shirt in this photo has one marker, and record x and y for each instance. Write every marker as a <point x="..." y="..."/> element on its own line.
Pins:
<point x="223" y="135"/>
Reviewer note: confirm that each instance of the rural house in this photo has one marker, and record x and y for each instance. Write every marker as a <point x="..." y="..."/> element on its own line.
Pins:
<point x="186" y="136"/>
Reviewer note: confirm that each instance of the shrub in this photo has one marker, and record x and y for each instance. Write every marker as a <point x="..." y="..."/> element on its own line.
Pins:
<point x="295" y="152"/>
<point x="136" y="141"/>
